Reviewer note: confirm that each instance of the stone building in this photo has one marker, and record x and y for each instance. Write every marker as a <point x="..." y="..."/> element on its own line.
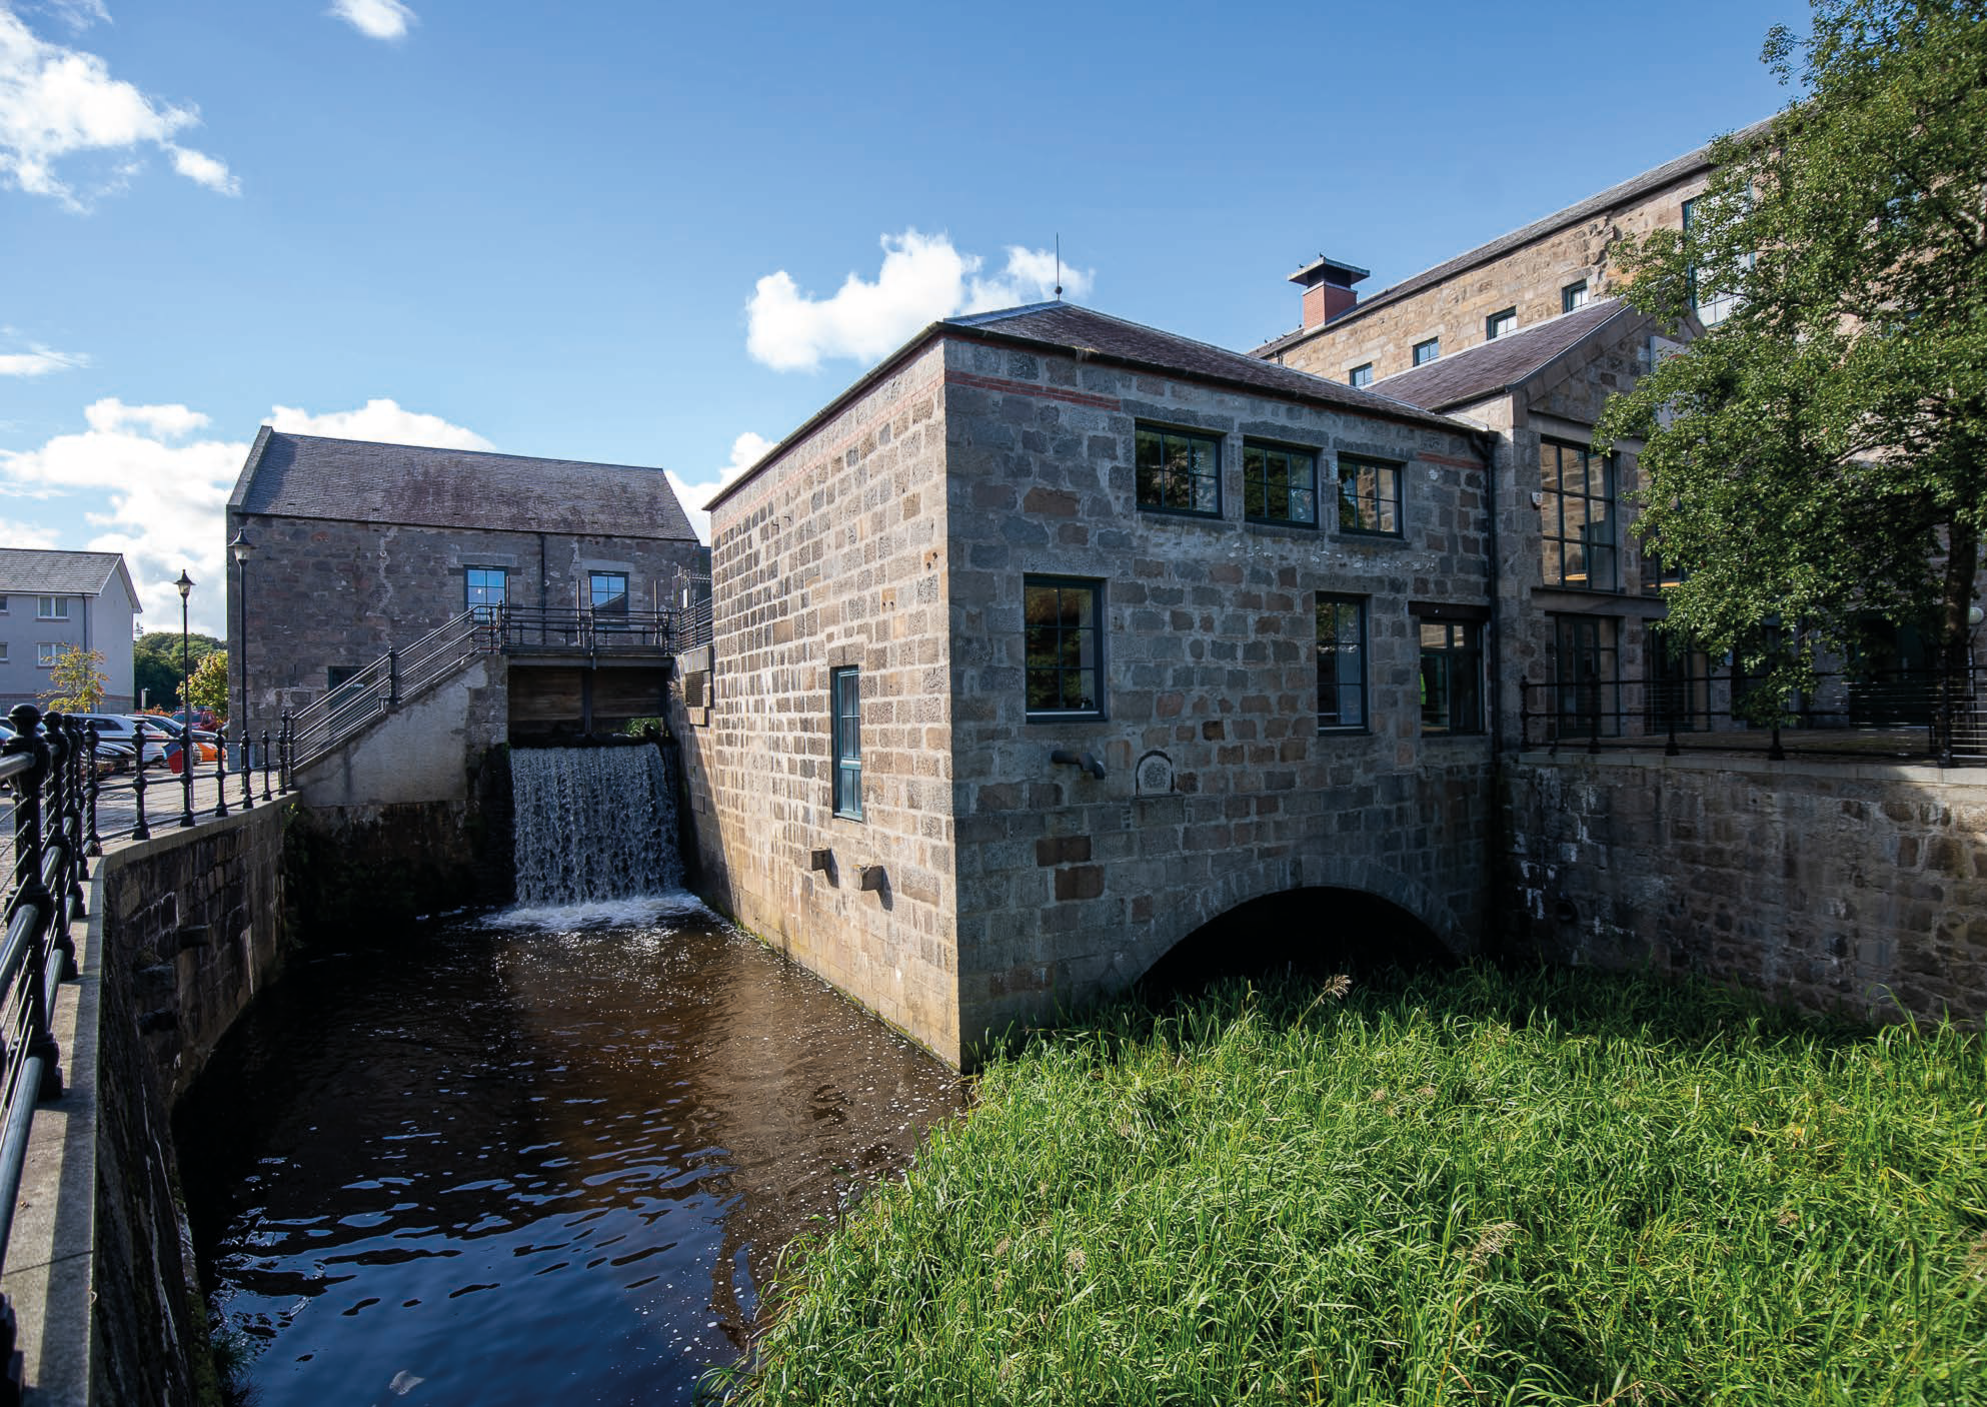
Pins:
<point x="1056" y="637"/>
<point x="362" y="547"/>
<point x="52" y="602"/>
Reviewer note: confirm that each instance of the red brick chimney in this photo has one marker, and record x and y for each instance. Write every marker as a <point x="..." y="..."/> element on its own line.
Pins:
<point x="1327" y="285"/>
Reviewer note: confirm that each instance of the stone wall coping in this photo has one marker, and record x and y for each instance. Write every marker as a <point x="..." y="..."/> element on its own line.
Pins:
<point x="1759" y="767"/>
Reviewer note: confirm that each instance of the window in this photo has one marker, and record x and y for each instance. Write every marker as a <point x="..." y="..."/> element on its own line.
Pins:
<point x="1064" y="646"/>
<point x="336" y="674"/>
<point x="1451" y="676"/>
<point x="1428" y="351"/>
<point x="1361" y="375"/>
<point x="3" y="605"/>
<point x="51" y="607"/>
<point x="1341" y="662"/>
<point x="1179" y="472"/>
<point x="1574" y="295"/>
<point x="48" y="653"/>
<point x="1585" y="674"/>
<point x="1679" y="689"/>
<point x="1279" y="485"/>
<point x="1369" y="496"/>
<point x="609" y="593"/>
<point x="845" y="723"/>
<point x="3" y="651"/>
<point x="1497" y="324"/>
<point x="1658" y="575"/>
<point x="1576" y="516"/>
<point x="484" y="590"/>
<point x="1712" y="308"/>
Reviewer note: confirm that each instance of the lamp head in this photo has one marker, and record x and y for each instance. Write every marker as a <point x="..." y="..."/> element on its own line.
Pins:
<point x="242" y="548"/>
<point x="185" y="583"/>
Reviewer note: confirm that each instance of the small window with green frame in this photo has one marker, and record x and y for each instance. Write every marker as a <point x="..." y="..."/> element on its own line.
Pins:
<point x="1279" y="485"/>
<point x="1178" y="472"/>
<point x="845" y="727"/>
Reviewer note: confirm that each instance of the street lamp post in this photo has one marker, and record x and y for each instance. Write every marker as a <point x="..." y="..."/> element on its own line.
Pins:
<point x="243" y="550"/>
<point x="185" y="585"/>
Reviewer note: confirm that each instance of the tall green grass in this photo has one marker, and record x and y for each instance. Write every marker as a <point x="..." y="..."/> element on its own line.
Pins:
<point x="1468" y="1188"/>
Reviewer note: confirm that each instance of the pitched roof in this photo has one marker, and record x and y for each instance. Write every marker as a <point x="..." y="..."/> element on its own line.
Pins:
<point x="1502" y="362"/>
<point x="305" y="476"/>
<point x="1634" y="188"/>
<point x="32" y="571"/>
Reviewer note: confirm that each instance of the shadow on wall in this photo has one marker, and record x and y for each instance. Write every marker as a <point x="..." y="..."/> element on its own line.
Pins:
<point x="1313" y="933"/>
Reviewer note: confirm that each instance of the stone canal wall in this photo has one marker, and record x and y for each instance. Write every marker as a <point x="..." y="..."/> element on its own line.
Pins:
<point x="1858" y="888"/>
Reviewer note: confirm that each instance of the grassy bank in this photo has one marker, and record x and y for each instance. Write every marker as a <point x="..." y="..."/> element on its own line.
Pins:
<point x="1466" y="1188"/>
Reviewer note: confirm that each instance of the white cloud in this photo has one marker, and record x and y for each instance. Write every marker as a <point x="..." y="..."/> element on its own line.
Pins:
<point x="160" y="497"/>
<point x="379" y="419"/>
<point x="38" y="360"/>
<point x="747" y="450"/>
<point x="922" y="278"/>
<point x="77" y="14"/>
<point x="58" y="104"/>
<point x="13" y="534"/>
<point x="376" y="19"/>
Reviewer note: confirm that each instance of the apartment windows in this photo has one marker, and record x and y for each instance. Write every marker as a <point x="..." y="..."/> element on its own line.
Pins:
<point x="1369" y="496"/>
<point x="1179" y="472"/>
<point x="1428" y="351"/>
<point x="1497" y="324"/>
<point x="1341" y="663"/>
<point x="1279" y="485"/>
<point x="608" y="593"/>
<point x="51" y="608"/>
<point x="484" y="590"/>
<point x="1574" y="295"/>
<point x="1451" y="676"/>
<point x="1586" y="659"/>
<point x="1576" y="516"/>
<point x="845" y="726"/>
<point x="48" y="654"/>
<point x="1062" y="623"/>
<point x="1361" y="375"/>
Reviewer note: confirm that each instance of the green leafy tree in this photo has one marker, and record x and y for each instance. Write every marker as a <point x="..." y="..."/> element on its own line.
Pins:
<point x="76" y="684"/>
<point x="1819" y="458"/>
<point x="155" y="664"/>
<point x="209" y="685"/>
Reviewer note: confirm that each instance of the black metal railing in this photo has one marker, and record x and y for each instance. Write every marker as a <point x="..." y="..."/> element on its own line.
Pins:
<point x="392" y="679"/>
<point x="584" y="630"/>
<point x="694" y="627"/>
<point x="1938" y="716"/>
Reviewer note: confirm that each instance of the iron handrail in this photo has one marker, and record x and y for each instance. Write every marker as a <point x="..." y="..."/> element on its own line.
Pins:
<point x="584" y="629"/>
<point x="395" y="677"/>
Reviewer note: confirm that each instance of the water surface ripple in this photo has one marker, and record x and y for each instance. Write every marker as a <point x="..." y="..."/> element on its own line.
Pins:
<point x="506" y="1164"/>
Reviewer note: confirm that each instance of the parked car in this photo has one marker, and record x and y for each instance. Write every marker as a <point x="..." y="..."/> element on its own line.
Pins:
<point x="116" y="728"/>
<point x="112" y="756"/>
<point x="208" y="746"/>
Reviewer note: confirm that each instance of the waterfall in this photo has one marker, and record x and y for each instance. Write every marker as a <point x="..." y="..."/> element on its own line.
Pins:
<point x="593" y="823"/>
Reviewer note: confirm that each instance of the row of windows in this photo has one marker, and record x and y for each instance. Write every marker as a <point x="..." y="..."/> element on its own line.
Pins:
<point x="1179" y="471"/>
<point x="45" y="607"/>
<point x="47" y="654"/>
<point x="1498" y="324"/>
<point x="485" y="590"/>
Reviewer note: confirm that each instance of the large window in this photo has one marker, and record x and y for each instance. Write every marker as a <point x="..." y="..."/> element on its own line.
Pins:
<point x="1341" y="662"/>
<point x="845" y="705"/>
<point x="484" y="590"/>
<point x="1279" y="485"/>
<point x="1586" y="659"/>
<point x="1497" y="324"/>
<point x="1179" y="472"/>
<point x="1451" y="676"/>
<point x="1361" y="375"/>
<point x="1062" y="621"/>
<point x="1369" y="496"/>
<point x="608" y="593"/>
<point x="1576" y="516"/>
<point x="51" y="608"/>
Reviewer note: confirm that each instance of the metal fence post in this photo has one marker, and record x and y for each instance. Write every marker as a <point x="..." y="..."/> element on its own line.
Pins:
<point x="392" y="677"/>
<point x="141" y="831"/>
<point x="265" y="766"/>
<point x="96" y="787"/>
<point x="220" y="774"/>
<point x="247" y="771"/>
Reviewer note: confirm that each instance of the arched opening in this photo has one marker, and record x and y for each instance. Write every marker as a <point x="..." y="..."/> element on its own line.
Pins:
<point x="1300" y="932"/>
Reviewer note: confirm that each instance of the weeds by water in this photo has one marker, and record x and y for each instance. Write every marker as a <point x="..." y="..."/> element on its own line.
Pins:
<point x="1466" y="1188"/>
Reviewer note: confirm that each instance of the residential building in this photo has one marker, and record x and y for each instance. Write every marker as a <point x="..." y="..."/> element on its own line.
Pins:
<point x="363" y="547"/>
<point x="52" y="602"/>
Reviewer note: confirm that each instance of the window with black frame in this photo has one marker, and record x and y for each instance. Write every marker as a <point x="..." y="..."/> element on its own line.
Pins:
<point x="1369" y="497"/>
<point x="845" y="718"/>
<point x="1063" y="669"/>
<point x="1279" y="485"/>
<point x="1451" y="676"/>
<point x="1678" y="692"/>
<point x="484" y="589"/>
<point x="1586" y="675"/>
<point x="1577" y="517"/>
<point x="1178" y="472"/>
<point x="1341" y="663"/>
<point x="607" y="593"/>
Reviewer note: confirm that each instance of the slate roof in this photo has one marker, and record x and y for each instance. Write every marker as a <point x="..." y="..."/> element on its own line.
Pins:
<point x="1503" y="362"/>
<point x="34" y="571"/>
<point x="358" y="481"/>
<point x="1634" y="188"/>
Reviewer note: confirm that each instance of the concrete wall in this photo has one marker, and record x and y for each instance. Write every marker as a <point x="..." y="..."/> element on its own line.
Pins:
<point x="1529" y="278"/>
<point x="1219" y="787"/>
<point x="1857" y="888"/>
<point x="836" y="556"/>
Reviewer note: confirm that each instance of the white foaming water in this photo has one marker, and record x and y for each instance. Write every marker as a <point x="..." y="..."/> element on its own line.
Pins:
<point x="644" y="912"/>
<point x="593" y="825"/>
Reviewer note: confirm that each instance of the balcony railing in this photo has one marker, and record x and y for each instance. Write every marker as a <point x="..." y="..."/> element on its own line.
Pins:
<point x="581" y="630"/>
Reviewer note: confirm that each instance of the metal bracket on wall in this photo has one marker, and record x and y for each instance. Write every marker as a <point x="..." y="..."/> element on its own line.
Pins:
<point x="871" y="878"/>
<point x="1081" y="760"/>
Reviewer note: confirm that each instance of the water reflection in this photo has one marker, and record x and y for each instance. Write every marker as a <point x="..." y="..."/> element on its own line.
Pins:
<point x="510" y="1165"/>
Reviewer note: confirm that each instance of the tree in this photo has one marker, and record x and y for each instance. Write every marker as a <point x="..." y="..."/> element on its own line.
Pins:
<point x="76" y="684"/>
<point x="1819" y="458"/>
<point x="155" y="664"/>
<point x="209" y="685"/>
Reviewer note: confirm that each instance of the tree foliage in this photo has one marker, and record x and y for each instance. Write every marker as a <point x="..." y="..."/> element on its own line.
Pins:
<point x="209" y="685"/>
<point x="77" y="684"/>
<point x="155" y="664"/>
<point x="1819" y="458"/>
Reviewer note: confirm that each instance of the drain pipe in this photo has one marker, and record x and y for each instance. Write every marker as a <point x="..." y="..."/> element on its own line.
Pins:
<point x="1485" y="440"/>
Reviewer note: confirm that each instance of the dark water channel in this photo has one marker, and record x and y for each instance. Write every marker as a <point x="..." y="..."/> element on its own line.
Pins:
<point x="525" y="1166"/>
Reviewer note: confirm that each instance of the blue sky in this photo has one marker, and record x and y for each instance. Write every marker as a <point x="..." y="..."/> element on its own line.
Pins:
<point x="617" y="231"/>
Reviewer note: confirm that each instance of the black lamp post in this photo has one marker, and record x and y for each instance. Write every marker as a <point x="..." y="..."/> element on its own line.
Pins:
<point x="185" y="585"/>
<point x="243" y="550"/>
